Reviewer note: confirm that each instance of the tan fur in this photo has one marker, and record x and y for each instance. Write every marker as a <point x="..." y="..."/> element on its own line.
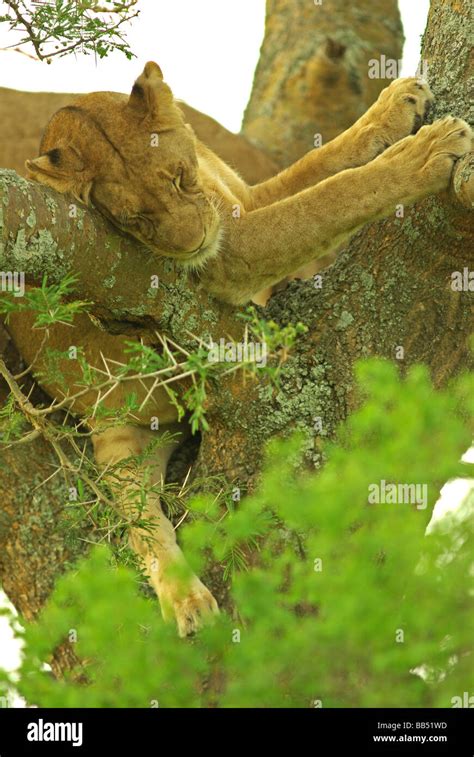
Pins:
<point x="23" y="116"/>
<point x="184" y="202"/>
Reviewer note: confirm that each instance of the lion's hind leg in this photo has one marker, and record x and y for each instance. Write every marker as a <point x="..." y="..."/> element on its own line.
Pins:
<point x="136" y="492"/>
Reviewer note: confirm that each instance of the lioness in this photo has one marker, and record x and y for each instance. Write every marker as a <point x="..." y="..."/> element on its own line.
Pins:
<point x="179" y="199"/>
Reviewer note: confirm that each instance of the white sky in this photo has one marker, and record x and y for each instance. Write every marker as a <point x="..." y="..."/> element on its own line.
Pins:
<point x="207" y="50"/>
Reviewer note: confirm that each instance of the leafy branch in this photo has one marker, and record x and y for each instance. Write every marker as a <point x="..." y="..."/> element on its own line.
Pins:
<point x="55" y="28"/>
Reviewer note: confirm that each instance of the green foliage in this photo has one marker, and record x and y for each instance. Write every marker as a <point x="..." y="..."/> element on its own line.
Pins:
<point x="195" y="397"/>
<point x="279" y="340"/>
<point x="12" y="422"/>
<point x="275" y="336"/>
<point x="55" y="28"/>
<point x="341" y="601"/>
<point x="47" y="302"/>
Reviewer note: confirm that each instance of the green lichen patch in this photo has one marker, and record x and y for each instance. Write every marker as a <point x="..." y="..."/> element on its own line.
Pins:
<point x="344" y="321"/>
<point x="109" y="282"/>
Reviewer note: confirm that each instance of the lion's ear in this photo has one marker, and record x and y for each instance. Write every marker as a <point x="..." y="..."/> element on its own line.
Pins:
<point x="152" y="70"/>
<point x="61" y="168"/>
<point x="60" y="162"/>
<point x="150" y="96"/>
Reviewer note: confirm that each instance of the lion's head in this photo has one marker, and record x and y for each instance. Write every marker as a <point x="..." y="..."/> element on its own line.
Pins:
<point x="134" y="159"/>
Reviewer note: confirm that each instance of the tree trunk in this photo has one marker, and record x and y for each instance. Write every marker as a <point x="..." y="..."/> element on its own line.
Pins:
<point x="36" y="545"/>
<point x="312" y="75"/>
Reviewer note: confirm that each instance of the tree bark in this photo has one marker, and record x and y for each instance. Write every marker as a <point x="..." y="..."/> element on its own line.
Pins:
<point x="311" y="78"/>
<point x="35" y="543"/>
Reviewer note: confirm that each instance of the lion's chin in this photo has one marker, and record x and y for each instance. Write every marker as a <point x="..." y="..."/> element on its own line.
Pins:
<point x="209" y="249"/>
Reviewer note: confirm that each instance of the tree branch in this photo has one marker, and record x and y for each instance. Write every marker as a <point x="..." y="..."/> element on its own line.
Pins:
<point x="39" y="31"/>
<point x="43" y="232"/>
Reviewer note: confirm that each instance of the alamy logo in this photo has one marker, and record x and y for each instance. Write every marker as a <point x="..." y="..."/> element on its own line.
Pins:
<point x="42" y="731"/>
<point x="398" y="494"/>
<point x="462" y="281"/>
<point x="466" y="700"/>
<point x="238" y="352"/>
<point x="13" y="281"/>
<point x="389" y="68"/>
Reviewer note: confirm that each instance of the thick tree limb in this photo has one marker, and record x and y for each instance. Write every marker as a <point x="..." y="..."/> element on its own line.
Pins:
<point x="41" y="232"/>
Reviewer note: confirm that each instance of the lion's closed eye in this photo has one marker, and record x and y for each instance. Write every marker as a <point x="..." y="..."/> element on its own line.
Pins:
<point x="177" y="181"/>
<point x="124" y="218"/>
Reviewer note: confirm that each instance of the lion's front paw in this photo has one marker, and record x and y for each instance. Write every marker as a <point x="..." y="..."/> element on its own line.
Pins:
<point x="190" y="603"/>
<point x="432" y="153"/>
<point x="400" y="110"/>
